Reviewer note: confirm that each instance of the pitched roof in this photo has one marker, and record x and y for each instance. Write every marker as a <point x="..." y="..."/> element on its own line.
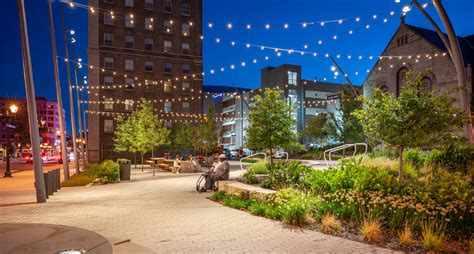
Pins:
<point x="223" y="89"/>
<point x="466" y="43"/>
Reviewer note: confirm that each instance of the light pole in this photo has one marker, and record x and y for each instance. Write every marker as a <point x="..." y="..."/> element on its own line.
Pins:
<point x="84" y="122"/>
<point x="452" y="45"/>
<point x="81" y="133"/>
<point x="13" y="109"/>
<point x="31" y="104"/>
<point x="58" y="95"/>
<point x="71" y="103"/>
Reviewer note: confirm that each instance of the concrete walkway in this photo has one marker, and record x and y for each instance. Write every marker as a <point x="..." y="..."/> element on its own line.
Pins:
<point x="166" y="214"/>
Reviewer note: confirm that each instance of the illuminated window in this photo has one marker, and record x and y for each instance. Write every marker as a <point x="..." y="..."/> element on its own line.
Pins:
<point x="129" y="41"/>
<point x="167" y="87"/>
<point x="108" y="20"/>
<point x="149" y="4"/>
<point x="109" y="104"/>
<point x="129" y="83"/>
<point x="186" y="107"/>
<point x="108" y="39"/>
<point x="186" y="87"/>
<point x="185" y="48"/>
<point x="292" y="78"/>
<point x="185" y="29"/>
<point x="108" y="62"/>
<point x="129" y="21"/>
<point x="168" y="106"/>
<point x="129" y="65"/>
<point x="129" y="105"/>
<point x="186" y="69"/>
<point x="168" y="47"/>
<point x="129" y="3"/>
<point x="149" y="24"/>
<point x="108" y="125"/>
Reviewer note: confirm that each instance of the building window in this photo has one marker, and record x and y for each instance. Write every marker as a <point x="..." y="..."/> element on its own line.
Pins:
<point x="108" y="81"/>
<point x="129" y="65"/>
<point x="129" y="41"/>
<point x="168" y="106"/>
<point x="185" y="49"/>
<point x="149" y="66"/>
<point x="167" y="26"/>
<point x="128" y="105"/>
<point x="186" y="107"/>
<point x="108" y="62"/>
<point x="148" y="44"/>
<point x="108" y="104"/>
<point x="167" y="6"/>
<point x="108" y="125"/>
<point x="186" y="9"/>
<point x="129" y="21"/>
<point x="186" y="69"/>
<point x="168" y="68"/>
<point x="292" y="77"/>
<point x="167" y="87"/>
<point x="149" y="24"/>
<point x="149" y="4"/>
<point x="401" y="79"/>
<point x="129" y="83"/>
<point x="108" y="20"/>
<point x="168" y="47"/>
<point x="185" y="29"/>
<point x="109" y="1"/>
<point x="108" y="39"/>
<point x="186" y="87"/>
<point x="129" y="3"/>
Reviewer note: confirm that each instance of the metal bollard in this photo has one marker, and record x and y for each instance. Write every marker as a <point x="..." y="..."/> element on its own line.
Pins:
<point x="49" y="186"/>
<point x="58" y="177"/>
<point x="53" y="181"/>
<point x="45" y="176"/>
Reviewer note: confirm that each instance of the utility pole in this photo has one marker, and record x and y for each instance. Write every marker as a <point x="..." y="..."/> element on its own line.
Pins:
<point x="454" y="49"/>
<point x="58" y="95"/>
<point x="356" y="93"/>
<point x="31" y="105"/>
<point x="71" y="102"/>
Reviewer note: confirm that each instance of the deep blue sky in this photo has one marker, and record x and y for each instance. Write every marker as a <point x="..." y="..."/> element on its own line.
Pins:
<point x="255" y="12"/>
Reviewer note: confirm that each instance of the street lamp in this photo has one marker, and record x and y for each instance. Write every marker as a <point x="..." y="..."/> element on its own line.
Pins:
<point x="13" y="109"/>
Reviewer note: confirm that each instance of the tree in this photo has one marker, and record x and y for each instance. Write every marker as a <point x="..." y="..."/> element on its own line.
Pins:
<point x="343" y="125"/>
<point x="141" y="132"/>
<point x="208" y="134"/>
<point x="271" y="124"/>
<point x="317" y="128"/>
<point x="183" y="136"/>
<point x="416" y="118"/>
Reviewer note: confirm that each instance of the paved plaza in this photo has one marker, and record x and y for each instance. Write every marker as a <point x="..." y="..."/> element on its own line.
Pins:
<point x="166" y="214"/>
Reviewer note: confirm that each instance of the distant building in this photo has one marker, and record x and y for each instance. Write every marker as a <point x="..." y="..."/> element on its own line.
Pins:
<point x="141" y="49"/>
<point x="309" y="98"/>
<point x="48" y="122"/>
<point x="419" y="49"/>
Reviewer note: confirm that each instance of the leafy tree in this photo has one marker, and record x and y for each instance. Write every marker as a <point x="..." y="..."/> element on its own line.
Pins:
<point x="183" y="136"/>
<point x="317" y="128"/>
<point x="343" y="125"/>
<point x="141" y="132"/>
<point x="208" y="134"/>
<point x="416" y="118"/>
<point x="271" y="124"/>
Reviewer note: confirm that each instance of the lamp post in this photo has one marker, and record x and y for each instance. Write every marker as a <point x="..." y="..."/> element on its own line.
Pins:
<point x="13" y="109"/>
<point x="78" y="65"/>
<point x="71" y="103"/>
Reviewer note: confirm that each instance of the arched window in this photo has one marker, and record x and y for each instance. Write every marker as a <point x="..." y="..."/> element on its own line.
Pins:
<point x="426" y="83"/>
<point x="401" y="79"/>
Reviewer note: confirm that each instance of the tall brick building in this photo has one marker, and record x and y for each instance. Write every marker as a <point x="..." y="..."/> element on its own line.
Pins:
<point x="141" y="47"/>
<point x="419" y="49"/>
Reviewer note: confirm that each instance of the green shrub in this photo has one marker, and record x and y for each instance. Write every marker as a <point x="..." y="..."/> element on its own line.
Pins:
<point x="294" y="206"/>
<point x="106" y="171"/>
<point x="267" y="210"/>
<point x="217" y="196"/>
<point x="256" y="168"/>
<point x="288" y="174"/>
<point x="384" y="152"/>
<point x="78" y="180"/>
<point x="416" y="157"/>
<point x="453" y="157"/>
<point x="250" y="160"/>
<point x="237" y="203"/>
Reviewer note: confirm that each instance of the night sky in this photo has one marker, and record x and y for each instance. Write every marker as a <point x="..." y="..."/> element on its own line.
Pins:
<point x="363" y="42"/>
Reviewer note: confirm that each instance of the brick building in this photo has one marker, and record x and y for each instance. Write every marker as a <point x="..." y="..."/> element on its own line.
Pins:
<point x="419" y="49"/>
<point x="48" y="121"/>
<point x="143" y="49"/>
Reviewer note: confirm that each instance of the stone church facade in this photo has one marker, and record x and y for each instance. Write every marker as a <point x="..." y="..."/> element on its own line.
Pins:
<point x="419" y="49"/>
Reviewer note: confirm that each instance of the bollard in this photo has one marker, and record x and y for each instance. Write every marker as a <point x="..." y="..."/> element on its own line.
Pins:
<point x="49" y="186"/>
<point x="58" y="177"/>
<point x="53" y="180"/>
<point x="45" y="176"/>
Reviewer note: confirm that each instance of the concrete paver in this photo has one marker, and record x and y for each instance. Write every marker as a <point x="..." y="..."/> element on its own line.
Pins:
<point x="166" y="214"/>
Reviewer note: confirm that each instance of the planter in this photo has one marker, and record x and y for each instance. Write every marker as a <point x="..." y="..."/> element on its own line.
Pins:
<point x="125" y="169"/>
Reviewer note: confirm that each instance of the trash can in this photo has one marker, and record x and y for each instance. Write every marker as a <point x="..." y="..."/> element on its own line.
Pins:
<point x="125" y="168"/>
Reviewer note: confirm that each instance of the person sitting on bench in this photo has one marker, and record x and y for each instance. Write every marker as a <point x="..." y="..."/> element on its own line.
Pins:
<point x="221" y="172"/>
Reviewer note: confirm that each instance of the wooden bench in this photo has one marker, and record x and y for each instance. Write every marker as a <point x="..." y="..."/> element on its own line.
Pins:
<point x="164" y="166"/>
<point x="150" y="162"/>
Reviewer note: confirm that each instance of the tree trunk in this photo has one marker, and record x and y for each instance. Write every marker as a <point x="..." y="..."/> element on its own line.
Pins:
<point x="142" y="160"/>
<point x="135" y="158"/>
<point x="271" y="157"/>
<point x="400" y="164"/>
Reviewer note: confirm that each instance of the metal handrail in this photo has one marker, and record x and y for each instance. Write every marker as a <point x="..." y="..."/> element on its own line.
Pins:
<point x="343" y="147"/>
<point x="250" y="156"/>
